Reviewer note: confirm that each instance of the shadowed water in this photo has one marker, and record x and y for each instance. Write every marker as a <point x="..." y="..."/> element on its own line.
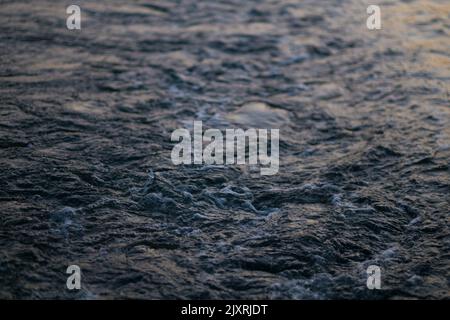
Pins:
<point x="87" y="179"/>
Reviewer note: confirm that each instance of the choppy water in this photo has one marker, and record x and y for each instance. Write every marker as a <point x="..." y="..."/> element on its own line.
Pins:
<point x="86" y="176"/>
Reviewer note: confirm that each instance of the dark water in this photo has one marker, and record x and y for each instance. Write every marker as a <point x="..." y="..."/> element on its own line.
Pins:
<point x="85" y="170"/>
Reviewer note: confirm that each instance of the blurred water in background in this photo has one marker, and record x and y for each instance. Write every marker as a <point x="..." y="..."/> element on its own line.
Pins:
<point x="85" y="124"/>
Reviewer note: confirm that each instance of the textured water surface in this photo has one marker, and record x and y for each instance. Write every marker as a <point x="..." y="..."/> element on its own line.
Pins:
<point x="85" y="170"/>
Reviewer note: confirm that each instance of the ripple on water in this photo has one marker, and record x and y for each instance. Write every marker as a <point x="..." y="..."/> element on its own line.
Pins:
<point x="259" y="115"/>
